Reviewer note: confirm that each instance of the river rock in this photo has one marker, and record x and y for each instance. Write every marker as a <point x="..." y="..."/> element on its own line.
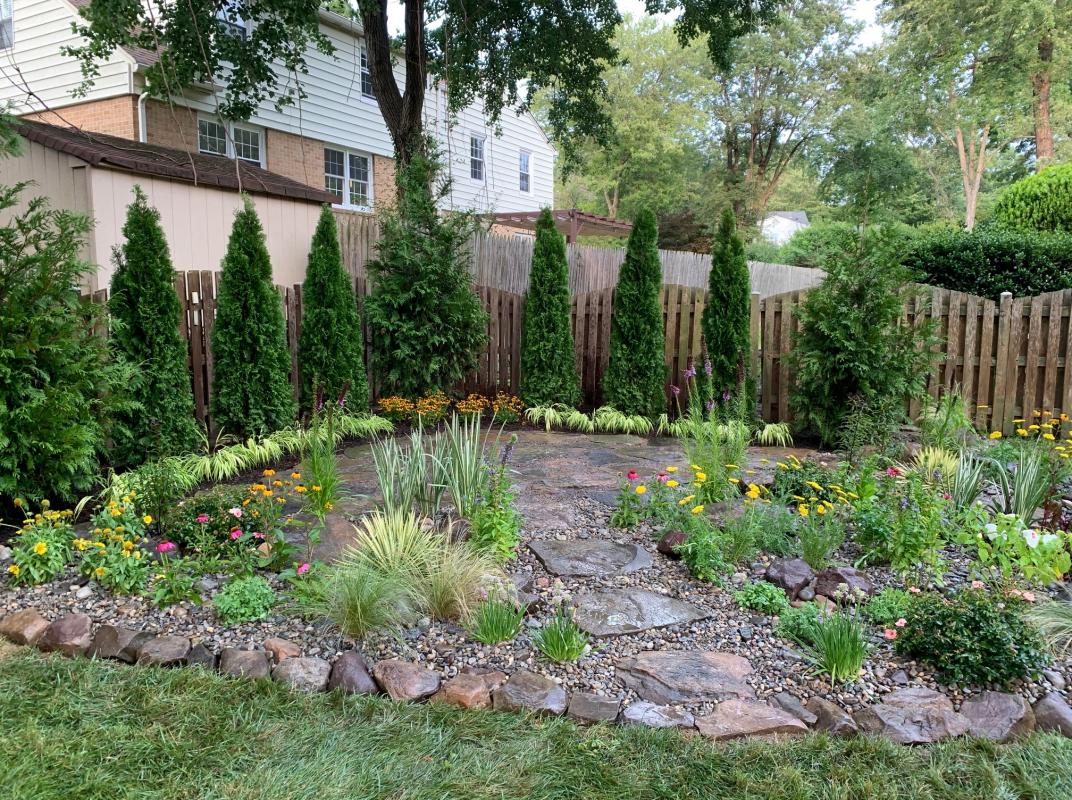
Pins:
<point x="164" y="651"/>
<point x="527" y="691"/>
<point x="665" y="677"/>
<point x="610" y="612"/>
<point x="201" y="656"/>
<point x="913" y="716"/>
<point x="403" y="680"/>
<point x="588" y="707"/>
<point x="244" y="663"/>
<point x="281" y="649"/>
<point x="23" y="627"/>
<point x="998" y="715"/>
<point x="589" y="558"/>
<point x="465" y="691"/>
<point x="1052" y="713"/>
<point x="670" y="541"/>
<point x="303" y="674"/>
<point x="792" y="705"/>
<point x="70" y="634"/>
<point x="831" y="717"/>
<point x="736" y="719"/>
<point x="351" y="674"/>
<point x="830" y="580"/>
<point x="653" y="716"/>
<point x="109" y="642"/>
<point x="790" y="574"/>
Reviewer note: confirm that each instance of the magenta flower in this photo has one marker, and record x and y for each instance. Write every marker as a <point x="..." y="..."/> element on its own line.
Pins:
<point x="303" y="568"/>
<point x="202" y="518"/>
<point x="901" y="622"/>
<point x="236" y="533"/>
<point x="632" y="475"/>
<point x="893" y="472"/>
<point x="977" y="584"/>
<point x="166" y="547"/>
<point x="674" y="390"/>
<point x="258" y="535"/>
<point x="890" y="634"/>
<point x="663" y="477"/>
<point x="235" y="512"/>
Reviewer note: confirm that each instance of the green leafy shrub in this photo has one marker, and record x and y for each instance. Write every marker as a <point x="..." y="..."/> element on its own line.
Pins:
<point x="1008" y="548"/>
<point x="820" y="531"/>
<point x="41" y="548"/>
<point x="851" y="342"/>
<point x="57" y="385"/>
<point x="702" y="552"/>
<point x="762" y="596"/>
<point x="496" y="524"/>
<point x="426" y="324"/>
<point x="727" y="313"/>
<point x="987" y="262"/>
<point x="560" y="639"/>
<point x="1039" y="202"/>
<point x="331" y="348"/>
<point x="635" y="376"/>
<point x="821" y="243"/>
<point x="548" y="369"/>
<point x="244" y="599"/>
<point x="496" y="620"/>
<point x="888" y="606"/>
<point x="251" y="390"/>
<point x="145" y="315"/>
<point x="799" y="624"/>
<point x="974" y="637"/>
<point x="903" y="524"/>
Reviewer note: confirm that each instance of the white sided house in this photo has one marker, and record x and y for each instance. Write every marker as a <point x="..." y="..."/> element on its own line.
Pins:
<point x="778" y="227"/>
<point x="334" y="139"/>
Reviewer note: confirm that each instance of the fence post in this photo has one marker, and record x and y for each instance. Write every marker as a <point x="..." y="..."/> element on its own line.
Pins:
<point x="754" y="335"/>
<point x="999" y="412"/>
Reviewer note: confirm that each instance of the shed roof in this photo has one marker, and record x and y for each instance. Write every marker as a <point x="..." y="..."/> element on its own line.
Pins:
<point x="114" y="152"/>
<point x="572" y="222"/>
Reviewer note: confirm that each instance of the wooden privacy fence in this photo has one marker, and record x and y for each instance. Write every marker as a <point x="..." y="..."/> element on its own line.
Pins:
<point x="1008" y="359"/>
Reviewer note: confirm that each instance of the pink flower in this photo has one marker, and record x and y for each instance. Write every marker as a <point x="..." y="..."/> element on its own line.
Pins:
<point x="1028" y="596"/>
<point x="663" y="478"/>
<point x="235" y="512"/>
<point x="913" y="590"/>
<point x="258" y="535"/>
<point x="303" y="568"/>
<point x="632" y="475"/>
<point x="202" y="518"/>
<point x="166" y="547"/>
<point x="977" y="584"/>
<point x="893" y="472"/>
<point x="890" y="634"/>
<point x="901" y="622"/>
<point x="236" y="533"/>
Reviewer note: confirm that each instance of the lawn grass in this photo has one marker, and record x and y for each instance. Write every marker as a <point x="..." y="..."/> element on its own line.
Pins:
<point x="74" y="729"/>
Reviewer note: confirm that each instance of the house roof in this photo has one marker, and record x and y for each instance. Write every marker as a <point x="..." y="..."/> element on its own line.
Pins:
<point x="101" y="150"/>
<point x="571" y="222"/>
<point x="794" y="216"/>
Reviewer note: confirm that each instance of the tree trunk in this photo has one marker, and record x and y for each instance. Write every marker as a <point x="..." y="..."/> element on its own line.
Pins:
<point x="1040" y="102"/>
<point x="972" y="163"/>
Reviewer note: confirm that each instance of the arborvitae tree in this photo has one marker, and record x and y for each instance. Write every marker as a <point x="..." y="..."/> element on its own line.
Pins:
<point x="634" y="382"/>
<point x="145" y="314"/>
<point x="331" y="346"/>
<point x="251" y="390"/>
<point x="548" y="369"/>
<point x="726" y="316"/>
<point x="426" y="325"/>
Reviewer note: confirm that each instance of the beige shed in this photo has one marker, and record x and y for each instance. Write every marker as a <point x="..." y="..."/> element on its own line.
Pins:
<point x="197" y="196"/>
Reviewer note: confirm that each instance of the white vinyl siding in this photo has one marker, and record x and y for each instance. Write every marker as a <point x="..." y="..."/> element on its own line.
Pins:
<point x="348" y="176"/>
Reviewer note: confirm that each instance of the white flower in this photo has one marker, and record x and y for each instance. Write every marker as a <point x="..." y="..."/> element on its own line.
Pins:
<point x="991" y="531"/>
<point x="1031" y="536"/>
<point x="1048" y="539"/>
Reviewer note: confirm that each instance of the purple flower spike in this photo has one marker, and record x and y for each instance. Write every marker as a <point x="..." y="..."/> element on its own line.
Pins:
<point x="707" y="366"/>
<point x="675" y="391"/>
<point x="690" y="372"/>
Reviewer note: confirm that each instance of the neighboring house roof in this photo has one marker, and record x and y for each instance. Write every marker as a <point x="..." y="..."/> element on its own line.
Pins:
<point x="101" y="150"/>
<point x="793" y="216"/>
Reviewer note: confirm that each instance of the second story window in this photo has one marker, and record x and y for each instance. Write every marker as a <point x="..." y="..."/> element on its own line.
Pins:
<point x="348" y="176"/>
<point x="7" y="24"/>
<point x="247" y="145"/>
<point x="233" y="22"/>
<point x="476" y="158"/>
<point x="366" y="76"/>
<point x="211" y="137"/>
<point x="524" y="171"/>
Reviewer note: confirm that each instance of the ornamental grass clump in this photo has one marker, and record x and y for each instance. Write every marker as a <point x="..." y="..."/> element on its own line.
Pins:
<point x="497" y="619"/>
<point x="560" y="639"/>
<point x="838" y="646"/>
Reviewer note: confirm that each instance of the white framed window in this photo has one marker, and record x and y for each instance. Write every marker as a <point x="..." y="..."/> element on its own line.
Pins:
<point x="524" y="171"/>
<point x="211" y="137"/>
<point x="7" y="24"/>
<point x="233" y="22"/>
<point x="476" y="158"/>
<point x="348" y="176"/>
<point x="247" y="144"/>
<point x="366" y="76"/>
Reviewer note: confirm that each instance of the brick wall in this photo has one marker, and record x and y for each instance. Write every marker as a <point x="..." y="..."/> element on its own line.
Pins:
<point x="171" y="126"/>
<point x="117" y="116"/>
<point x="296" y="157"/>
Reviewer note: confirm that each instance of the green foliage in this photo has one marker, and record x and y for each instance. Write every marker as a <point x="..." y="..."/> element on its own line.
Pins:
<point x="175" y="582"/>
<point x="145" y="315"/>
<point x="560" y="639"/>
<point x="464" y="462"/>
<point x="548" y="370"/>
<point x="634" y="381"/>
<point x="1025" y="484"/>
<point x="607" y="419"/>
<point x="838" y="647"/>
<point x="244" y="599"/>
<point x="41" y="548"/>
<point x="974" y="637"/>
<point x="57" y="388"/>
<point x="426" y="324"/>
<point x="799" y="624"/>
<point x="496" y="620"/>
<point x="411" y="476"/>
<point x="1054" y="622"/>
<point x="820" y="535"/>
<point x="251" y="390"/>
<point x="903" y="524"/>
<point x="821" y="243"/>
<point x="888" y="606"/>
<point x="331" y="347"/>
<point x="762" y="596"/>
<point x="987" y="262"/>
<point x="851" y="341"/>
<point x="496" y="524"/>
<point x="1008" y="548"/>
<point x="1039" y="202"/>
<point x="726" y="315"/>
<point x="357" y="598"/>
<point x="559" y="416"/>
<point x="946" y="422"/>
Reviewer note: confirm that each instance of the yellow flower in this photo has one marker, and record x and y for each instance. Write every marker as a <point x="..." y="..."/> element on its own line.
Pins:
<point x="14" y="570"/>
<point x="300" y="489"/>
<point x="735" y="480"/>
<point x="697" y="509"/>
<point x="803" y="510"/>
<point x="295" y="475"/>
<point x="317" y="487"/>
<point x="820" y="509"/>
<point x="18" y="502"/>
<point x="100" y="572"/>
<point x="40" y="548"/>
<point x="816" y="486"/>
<point x="81" y="544"/>
<point x="1048" y="437"/>
<point x="641" y="489"/>
<point x="125" y="554"/>
<point x="701" y="477"/>
<point x="329" y="506"/>
<point x="671" y="469"/>
<point x="268" y="493"/>
<point x="671" y="483"/>
<point x="780" y="465"/>
<point x="1021" y="432"/>
<point x="137" y="555"/>
<point x="684" y="501"/>
<point x="268" y="473"/>
<point x="995" y="434"/>
<point x="696" y="467"/>
<point x="148" y="520"/>
<point x="731" y="466"/>
<point x="1064" y="417"/>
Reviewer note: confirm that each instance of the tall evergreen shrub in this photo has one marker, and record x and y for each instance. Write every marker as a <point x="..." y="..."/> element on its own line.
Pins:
<point x="726" y="316"/>
<point x="251" y="392"/>
<point x="145" y="314"/>
<point x="1040" y="202"/>
<point x="548" y="369"/>
<point x="635" y="377"/>
<point x="331" y="346"/>
<point x="426" y="325"/>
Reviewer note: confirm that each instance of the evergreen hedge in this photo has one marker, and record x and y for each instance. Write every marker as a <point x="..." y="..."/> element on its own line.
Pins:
<point x="726" y="316"/>
<point x="331" y="345"/>
<point x="251" y="392"/>
<point x="1040" y="202"/>
<point x="635" y="377"/>
<point x="548" y="369"/>
<point x="145" y="314"/>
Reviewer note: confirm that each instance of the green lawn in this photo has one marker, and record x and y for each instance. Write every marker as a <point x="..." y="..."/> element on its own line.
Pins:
<point x="80" y="729"/>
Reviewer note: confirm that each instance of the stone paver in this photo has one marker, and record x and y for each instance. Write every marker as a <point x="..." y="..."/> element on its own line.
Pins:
<point x="590" y="557"/>
<point x="614" y="611"/>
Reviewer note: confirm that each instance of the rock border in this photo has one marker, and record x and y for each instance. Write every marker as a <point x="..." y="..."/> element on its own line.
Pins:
<point x="907" y="716"/>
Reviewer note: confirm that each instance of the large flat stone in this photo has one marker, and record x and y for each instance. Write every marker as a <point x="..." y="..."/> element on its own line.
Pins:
<point x="679" y="676"/>
<point x="405" y="681"/>
<point x="1053" y="714"/>
<point x="527" y="691"/>
<point x="71" y="635"/>
<point x="653" y="716"/>
<point x="615" y="611"/>
<point x="164" y="651"/>
<point x="913" y="716"/>
<point x="736" y="719"/>
<point x="998" y="715"/>
<point x="110" y="641"/>
<point x="24" y="627"/>
<point x="590" y="557"/>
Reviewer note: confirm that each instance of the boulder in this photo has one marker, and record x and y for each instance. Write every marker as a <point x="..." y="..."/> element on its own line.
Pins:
<point x="164" y="651"/>
<point x="736" y="719"/>
<point x="653" y="716"/>
<point x="790" y="574"/>
<point x="405" y="681"/>
<point x="670" y="541"/>
<point x="913" y="716"/>
<point x="831" y="717"/>
<point x="830" y="580"/>
<point x="280" y="649"/>
<point x="665" y="677"/>
<point x="588" y="707"/>
<point x="109" y="642"/>
<point x="465" y="691"/>
<point x="1052" y="713"/>
<point x="23" y="627"/>
<point x="350" y="673"/>
<point x="589" y="557"/>
<point x="244" y="663"/>
<point x="131" y="649"/>
<point x="303" y="674"/>
<point x="527" y="691"/>
<point x="201" y="656"/>
<point x="70" y="634"/>
<point x="998" y="715"/>
<point x="492" y="678"/>
<point x="791" y="704"/>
